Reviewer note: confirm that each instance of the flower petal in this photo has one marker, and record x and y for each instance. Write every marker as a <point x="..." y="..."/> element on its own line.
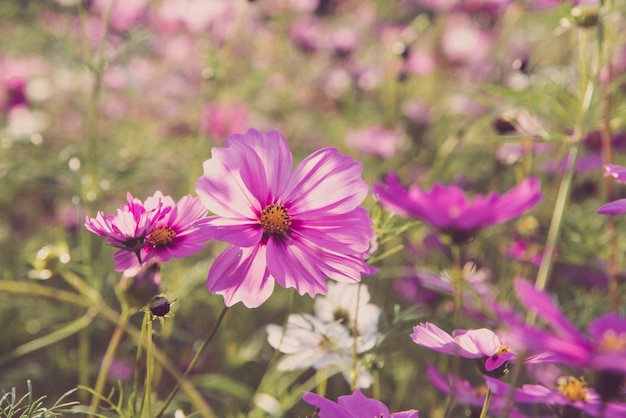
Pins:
<point x="326" y="181"/>
<point x="240" y="275"/>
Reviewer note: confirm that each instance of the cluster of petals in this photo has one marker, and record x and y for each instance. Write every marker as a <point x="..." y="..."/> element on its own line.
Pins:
<point x="474" y="344"/>
<point x="356" y="405"/>
<point x="601" y="348"/>
<point x="448" y="209"/>
<point x="296" y="227"/>
<point x="157" y="228"/>
<point x="329" y="339"/>
<point x="468" y="396"/>
<point x="309" y="341"/>
<point x="580" y="397"/>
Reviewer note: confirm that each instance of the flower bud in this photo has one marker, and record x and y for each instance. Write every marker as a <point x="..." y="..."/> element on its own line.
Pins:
<point x="585" y="16"/>
<point x="160" y="306"/>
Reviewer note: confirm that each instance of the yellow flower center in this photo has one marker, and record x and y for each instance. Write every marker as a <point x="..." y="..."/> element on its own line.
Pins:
<point x="573" y="389"/>
<point x="275" y="220"/>
<point x="160" y="236"/>
<point x="611" y="341"/>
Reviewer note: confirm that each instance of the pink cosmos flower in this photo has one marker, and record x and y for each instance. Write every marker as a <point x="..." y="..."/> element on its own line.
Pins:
<point x="571" y="392"/>
<point x="448" y="210"/>
<point x="475" y="344"/>
<point x="616" y="207"/>
<point x="297" y="228"/>
<point x="468" y="396"/>
<point x="356" y="405"/>
<point x="601" y="348"/>
<point x="159" y="228"/>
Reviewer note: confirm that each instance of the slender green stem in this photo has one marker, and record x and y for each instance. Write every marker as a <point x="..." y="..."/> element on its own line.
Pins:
<point x="149" y="369"/>
<point x="483" y="413"/>
<point x="355" y="339"/>
<point x="88" y="297"/>
<point x="51" y="338"/>
<point x="133" y="396"/>
<point x="457" y="280"/>
<point x="109" y="354"/>
<point x="195" y="359"/>
<point x="557" y="219"/>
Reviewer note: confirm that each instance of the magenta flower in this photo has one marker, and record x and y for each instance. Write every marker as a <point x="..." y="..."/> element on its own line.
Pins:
<point x="448" y="210"/>
<point x="602" y="348"/>
<point x="356" y="405"/>
<point x="297" y="228"/>
<point x="616" y="207"/>
<point x="468" y="396"/>
<point x="481" y="344"/>
<point x="571" y="392"/>
<point x="157" y="228"/>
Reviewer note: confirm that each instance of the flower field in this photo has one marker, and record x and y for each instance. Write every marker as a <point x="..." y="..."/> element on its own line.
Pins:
<point x="313" y="208"/>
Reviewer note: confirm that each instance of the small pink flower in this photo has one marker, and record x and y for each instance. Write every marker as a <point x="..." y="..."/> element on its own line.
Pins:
<point x="158" y="228"/>
<point x="474" y="344"/>
<point x="356" y="405"/>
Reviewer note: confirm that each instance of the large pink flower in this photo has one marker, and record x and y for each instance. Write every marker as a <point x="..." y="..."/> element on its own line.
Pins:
<point x="294" y="227"/>
<point x="448" y="209"/>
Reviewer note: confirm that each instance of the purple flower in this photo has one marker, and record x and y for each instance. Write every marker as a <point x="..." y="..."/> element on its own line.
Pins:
<point x="297" y="228"/>
<point x="157" y="228"/>
<point x="448" y="210"/>
<point x="466" y="395"/>
<point x="616" y="207"/>
<point x="480" y="344"/>
<point x="602" y="348"/>
<point x="356" y="405"/>
<point x="571" y="393"/>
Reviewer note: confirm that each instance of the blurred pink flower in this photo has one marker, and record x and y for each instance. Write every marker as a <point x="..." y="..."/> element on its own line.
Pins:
<point x="376" y="139"/>
<point x="448" y="210"/>
<point x="220" y="119"/>
<point x="571" y="392"/>
<point x="356" y="405"/>
<point x="464" y="42"/>
<point x="124" y="15"/>
<point x="601" y="348"/>
<point x="295" y="227"/>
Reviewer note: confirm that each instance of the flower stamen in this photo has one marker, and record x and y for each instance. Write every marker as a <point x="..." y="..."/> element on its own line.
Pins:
<point x="574" y="389"/>
<point x="160" y="236"/>
<point x="613" y="342"/>
<point x="275" y="220"/>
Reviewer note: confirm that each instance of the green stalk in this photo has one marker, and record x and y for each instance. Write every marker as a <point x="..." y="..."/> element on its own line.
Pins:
<point x="109" y="354"/>
<point x="88" y="298"/>
<point x="355" y="336"/>
<point x="483" y="413"/>
<point x="193" y="363"/>
<point x="557" y="219"/>
<point x="132" y="398"/>
<point x="149" y="369"/>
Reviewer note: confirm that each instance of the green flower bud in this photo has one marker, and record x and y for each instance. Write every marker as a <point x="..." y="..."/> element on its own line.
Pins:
<point x="585" y="15"/>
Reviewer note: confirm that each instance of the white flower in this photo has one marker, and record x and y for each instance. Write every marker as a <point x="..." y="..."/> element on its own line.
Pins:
<point x="309" y="341"/>
<point x="348" y="303"/>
